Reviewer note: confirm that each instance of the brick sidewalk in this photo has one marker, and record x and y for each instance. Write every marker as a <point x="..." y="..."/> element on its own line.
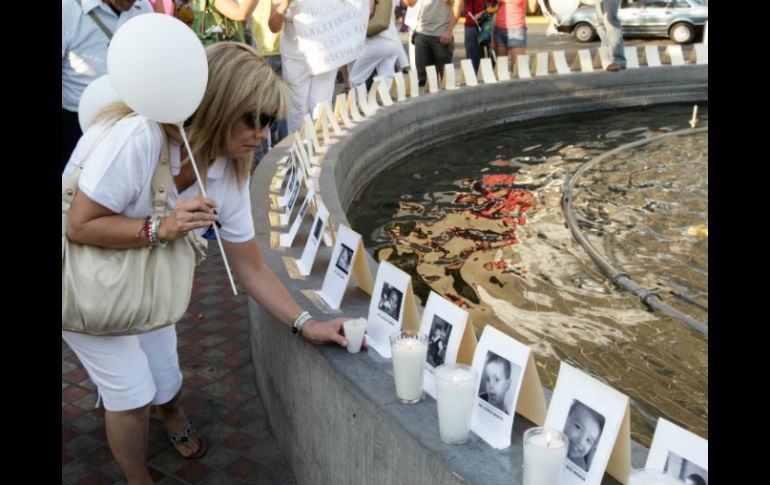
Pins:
<point x="219" y="396"/>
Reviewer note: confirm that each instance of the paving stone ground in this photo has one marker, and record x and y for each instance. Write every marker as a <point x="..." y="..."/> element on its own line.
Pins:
<point x="219" y="396"/>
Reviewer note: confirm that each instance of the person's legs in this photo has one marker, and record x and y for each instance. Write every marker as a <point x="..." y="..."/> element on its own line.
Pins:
<point x="298" y="78"/>
<point x="386" y="67"/>
<point x="160" y="346"/>
<point x="473" y="50"/>
<point x="120" y="370"/>
<point x="70" y="134"/>
<point x="611" y="32"/>
<point x="128" y="435"/>
<point x="517" y="43"/>
<point x="423" y="56"/>
<point x="366" y="62"/>
<point x="321" y="89"/>
<point x="501" y="46"/>
<point x="442" y="55"/>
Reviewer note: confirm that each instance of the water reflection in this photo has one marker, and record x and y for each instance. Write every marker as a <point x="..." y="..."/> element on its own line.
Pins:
<point x="479" y="222"/>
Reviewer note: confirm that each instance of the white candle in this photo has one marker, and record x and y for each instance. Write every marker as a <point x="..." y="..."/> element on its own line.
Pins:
<point x="455" y="390"/>
<point x="545" y="451"/>
<point x="646" y="476"/>
<point x="409" y="351"/>
<point x="354" y="332"/>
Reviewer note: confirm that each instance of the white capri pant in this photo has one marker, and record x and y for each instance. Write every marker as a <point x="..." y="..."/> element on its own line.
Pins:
<point x="378" y="53"/>
<point x="130" y="371"/>
<point x="307" y="90"/>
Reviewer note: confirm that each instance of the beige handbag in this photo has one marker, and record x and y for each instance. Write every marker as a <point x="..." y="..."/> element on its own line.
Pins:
<point x="380" y="19"/>
<point x="127" y="291"/>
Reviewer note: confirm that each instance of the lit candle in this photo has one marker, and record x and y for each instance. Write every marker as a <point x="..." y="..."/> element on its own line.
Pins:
<point x="646" y="476"/>
<point x="455" y="390"/>
<point x="409" y="350"/>
<point x="354" y="332"/>
<point x="545" y="451"/>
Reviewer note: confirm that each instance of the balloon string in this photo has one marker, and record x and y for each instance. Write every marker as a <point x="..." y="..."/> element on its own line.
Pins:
<point x="203" y="192"/>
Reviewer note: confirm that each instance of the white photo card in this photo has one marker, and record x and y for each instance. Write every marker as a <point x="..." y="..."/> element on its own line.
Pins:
<point x="595" y="419"/>
<point x="347" y="250"/>
<point x="444" y="324"/>
<point x="391" y="305"/>
<point x="287" y="239"/>
<point x="501" y="363"/>
<point x="680" y="453"/>
<point x="305" y="263"/>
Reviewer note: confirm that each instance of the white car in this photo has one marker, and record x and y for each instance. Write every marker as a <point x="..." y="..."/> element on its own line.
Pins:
<point x="680" y="20"/>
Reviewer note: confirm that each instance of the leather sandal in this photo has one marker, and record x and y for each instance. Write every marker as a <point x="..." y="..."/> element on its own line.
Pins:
<point x="614" y="67"/>
<point x="180" y="441"/>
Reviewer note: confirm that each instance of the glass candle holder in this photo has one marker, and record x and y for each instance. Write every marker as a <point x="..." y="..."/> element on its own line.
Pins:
<point x="455" y="390"/>
<point x="545" y="452"/>
<point x="354" y="332"/>
<point x="409" y="349"/>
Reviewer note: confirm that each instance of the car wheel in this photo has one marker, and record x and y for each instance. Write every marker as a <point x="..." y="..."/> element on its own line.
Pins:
<point x="584" y="32"/>
<point x="681" y="33"/>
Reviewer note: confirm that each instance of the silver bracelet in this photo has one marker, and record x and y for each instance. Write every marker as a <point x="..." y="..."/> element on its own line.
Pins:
<point x="299" y="321"/>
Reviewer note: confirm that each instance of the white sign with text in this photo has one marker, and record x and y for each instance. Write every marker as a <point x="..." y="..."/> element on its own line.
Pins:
<point x="330" y="34"/>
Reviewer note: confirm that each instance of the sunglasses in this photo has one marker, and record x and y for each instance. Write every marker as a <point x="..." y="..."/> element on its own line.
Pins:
<point x="265" y="121"/>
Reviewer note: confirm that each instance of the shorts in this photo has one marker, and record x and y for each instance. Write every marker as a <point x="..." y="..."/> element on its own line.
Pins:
<point x="511" y="38"/>
<point x="130" y="371"/>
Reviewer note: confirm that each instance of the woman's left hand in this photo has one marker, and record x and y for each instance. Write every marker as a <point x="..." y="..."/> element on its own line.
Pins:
<point x="327" y="332"/>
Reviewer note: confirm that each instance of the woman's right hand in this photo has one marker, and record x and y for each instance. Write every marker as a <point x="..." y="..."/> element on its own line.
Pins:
<point x="190" y="213"/>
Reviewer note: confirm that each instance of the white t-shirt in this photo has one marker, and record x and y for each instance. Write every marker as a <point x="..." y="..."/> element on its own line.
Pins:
<point x="118" y="175"/>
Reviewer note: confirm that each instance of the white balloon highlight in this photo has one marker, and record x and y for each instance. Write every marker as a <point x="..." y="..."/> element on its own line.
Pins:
<point x="158" y="67"/>
<point x="562" y="8"/>
<point x="96" y="96"/>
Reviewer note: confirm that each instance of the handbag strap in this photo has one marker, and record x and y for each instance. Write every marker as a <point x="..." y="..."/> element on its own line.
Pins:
<point x="98" y="21"/>
<point x="162" y="179"/>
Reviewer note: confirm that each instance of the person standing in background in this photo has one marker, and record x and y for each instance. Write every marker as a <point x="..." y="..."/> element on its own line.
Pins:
<point x="307" y="89"/>
<point x="473" y="50"/>
<point x="511" y="29"/>
<point x="611" y="33"/>
<point x="380" y="52"/>
<point x="219" y="20"/>
<point x="84" y="54"/>
<point x="434" y="40"/>
<point x="268" y="44"/>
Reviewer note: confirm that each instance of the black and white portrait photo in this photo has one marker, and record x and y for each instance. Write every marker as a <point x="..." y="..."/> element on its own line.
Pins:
<point x="293" y="199"/>
<point x="317" y="228"/>
<point x="438" y="339"/>
<point x="345" y="259"/>
<point x="498" y="382"/>
<point x="584" y="428"/>
<point x="390" y="301"/>
<point x="688" y="472"/>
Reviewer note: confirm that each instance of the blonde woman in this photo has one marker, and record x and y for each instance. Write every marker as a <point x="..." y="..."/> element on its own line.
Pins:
<point x="243" y="96"/>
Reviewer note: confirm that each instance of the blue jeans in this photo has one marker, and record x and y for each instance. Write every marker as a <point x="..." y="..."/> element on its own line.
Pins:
<point x="473" y="50"/>
<point x="610" y="30"/>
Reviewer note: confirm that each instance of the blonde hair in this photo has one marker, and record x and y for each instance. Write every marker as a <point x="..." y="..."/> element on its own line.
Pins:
<point x="239" y="82"/>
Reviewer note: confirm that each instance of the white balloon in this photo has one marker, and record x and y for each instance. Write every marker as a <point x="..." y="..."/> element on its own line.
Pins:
<point x="563" y="8"/>
<point x="96" y="96"/>
<point x="158" y="67"/>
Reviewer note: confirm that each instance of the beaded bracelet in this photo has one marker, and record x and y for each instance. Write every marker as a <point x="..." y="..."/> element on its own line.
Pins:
<point x="300" y="321"/>
<point x="153" y="238"/>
